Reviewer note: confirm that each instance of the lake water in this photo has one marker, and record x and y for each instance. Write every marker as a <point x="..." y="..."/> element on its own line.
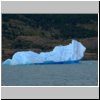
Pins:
<point x="83" y="74"/>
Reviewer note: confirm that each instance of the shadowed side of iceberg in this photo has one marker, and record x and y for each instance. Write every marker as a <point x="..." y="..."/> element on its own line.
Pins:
<point x="61" y="62"/>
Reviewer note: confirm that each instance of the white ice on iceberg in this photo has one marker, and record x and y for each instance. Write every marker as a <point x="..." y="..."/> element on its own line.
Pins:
<point x="72" y="52"/>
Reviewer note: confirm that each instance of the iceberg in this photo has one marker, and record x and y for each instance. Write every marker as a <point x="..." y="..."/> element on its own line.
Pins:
<point x="71" y="53"/>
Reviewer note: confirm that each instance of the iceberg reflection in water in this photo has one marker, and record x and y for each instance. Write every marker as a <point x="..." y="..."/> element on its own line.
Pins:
<point x="71" y="53"/>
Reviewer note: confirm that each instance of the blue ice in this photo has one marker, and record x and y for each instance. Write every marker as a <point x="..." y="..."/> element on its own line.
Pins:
<point x="72" y="52"/>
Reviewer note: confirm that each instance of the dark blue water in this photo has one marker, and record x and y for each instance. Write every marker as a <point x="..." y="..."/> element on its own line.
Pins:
<point x="83" y="74"/>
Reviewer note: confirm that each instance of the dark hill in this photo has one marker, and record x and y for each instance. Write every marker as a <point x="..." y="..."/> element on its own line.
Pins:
<point x="41" y="32"/>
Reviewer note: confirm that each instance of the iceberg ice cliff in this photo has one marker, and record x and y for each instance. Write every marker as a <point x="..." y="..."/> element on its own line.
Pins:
<point x="60" y="54"/>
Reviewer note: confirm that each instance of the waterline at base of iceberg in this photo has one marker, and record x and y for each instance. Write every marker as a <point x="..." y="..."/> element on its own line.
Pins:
<point x="61" y="62"/>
